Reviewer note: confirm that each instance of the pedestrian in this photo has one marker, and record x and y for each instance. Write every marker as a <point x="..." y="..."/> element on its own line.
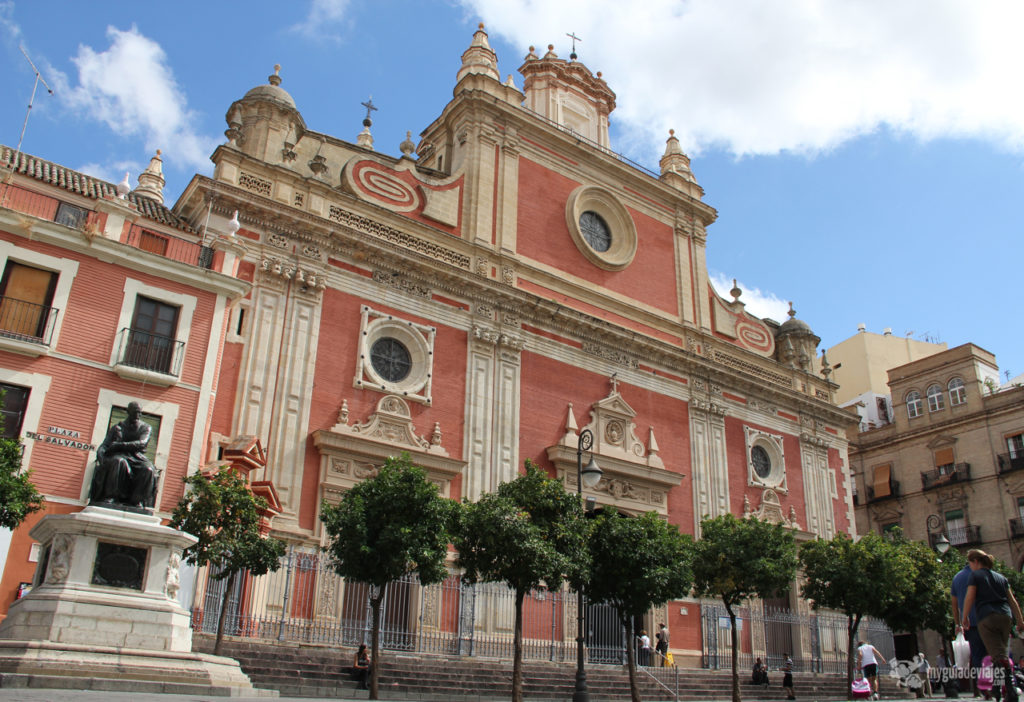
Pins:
<point x="662" y="647"/>
<point x="644" y="647"/>
<point x="923" y="673"/>
<point x="787" y="678"/>
<point x="867" y="660"/>
<point x="990" y="598"/>
<point x="759" y="674"/>
<point x="957" y="593"/>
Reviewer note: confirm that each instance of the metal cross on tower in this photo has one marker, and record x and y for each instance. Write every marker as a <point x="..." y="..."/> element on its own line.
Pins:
<point x="370" y="108"/>
<point x="572" y="35"/>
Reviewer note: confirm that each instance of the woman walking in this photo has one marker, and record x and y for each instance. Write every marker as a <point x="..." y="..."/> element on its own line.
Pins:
<point x="997" y="609"/>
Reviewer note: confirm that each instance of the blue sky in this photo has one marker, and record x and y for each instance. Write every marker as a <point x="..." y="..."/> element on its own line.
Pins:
<point x="865" y="158"/>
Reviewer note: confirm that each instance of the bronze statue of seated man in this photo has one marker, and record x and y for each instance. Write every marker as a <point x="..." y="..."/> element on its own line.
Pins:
<point x="123" y="474"/>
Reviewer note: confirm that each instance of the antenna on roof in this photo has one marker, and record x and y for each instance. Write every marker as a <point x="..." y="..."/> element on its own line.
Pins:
<point x="31" y="100"/>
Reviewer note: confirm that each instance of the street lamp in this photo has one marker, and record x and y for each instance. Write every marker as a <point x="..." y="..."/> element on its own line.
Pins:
<point x="589" y="476"/>
<point x="942" y="543"/>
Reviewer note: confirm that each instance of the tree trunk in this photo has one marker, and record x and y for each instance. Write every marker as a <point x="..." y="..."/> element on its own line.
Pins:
<point x="223" y="612"/>
<point x="517" y="650"/>
<point x="852" y="625"/>
<point x="375" y="641"/>
<point x="735" y="651"/>
<point x="634" y="693"/>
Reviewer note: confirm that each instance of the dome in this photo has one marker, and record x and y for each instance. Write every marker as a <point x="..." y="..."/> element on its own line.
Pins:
<point x="794" y="325"/>
<point x="273" y="90"/>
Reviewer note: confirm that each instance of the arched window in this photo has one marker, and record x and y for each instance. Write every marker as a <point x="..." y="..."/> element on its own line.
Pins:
<point x="936" y="399"/>
<point x="957" y="392"/>
<point x="914" y="405"/>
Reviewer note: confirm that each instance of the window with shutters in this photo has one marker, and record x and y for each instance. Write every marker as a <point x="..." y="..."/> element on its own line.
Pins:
<point x="152" y="334"/>
<point x="26" y="299"/>
<point x="12" y="409"/>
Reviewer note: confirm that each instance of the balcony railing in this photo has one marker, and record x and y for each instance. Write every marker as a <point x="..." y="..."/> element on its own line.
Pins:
<point x="26" y="321"/>
<point x="1010" y="461"/>
<point x="969" y="535"/>
<point x="894" y="492"/>
<point x="946" y="474"/>
<point x="1017" y="528"/>
<point x="149" y="352"/>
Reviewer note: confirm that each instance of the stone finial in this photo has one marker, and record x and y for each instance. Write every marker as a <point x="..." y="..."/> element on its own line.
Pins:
<point x="233" y="224"/>
<point x="151" y="180"/>
<point x="571" y="429"/>
<point x="509" y="82"/>
<point x="792" y="312"/>
<point x="407" y="147"/>
<point x="551" y="52"/>
<point x="674" y="163"/>
<point x="735" y="292"/>
<point x="479" y="58"/>
<point x="532" y="56"/>
<point x="365" y="139"/>
<point x="125" y="186"/>
<point x="275" y="77"/>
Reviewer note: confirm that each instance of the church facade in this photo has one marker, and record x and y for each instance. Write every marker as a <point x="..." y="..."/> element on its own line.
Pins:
<point x="502" y="286"/>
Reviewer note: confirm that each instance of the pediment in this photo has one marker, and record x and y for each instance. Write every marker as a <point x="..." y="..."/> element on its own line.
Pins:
<point x="770" y="510"/>
<point x="941" y="440"/>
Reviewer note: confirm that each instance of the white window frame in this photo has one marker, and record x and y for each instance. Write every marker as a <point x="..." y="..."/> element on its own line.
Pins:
<point x="168" y="413"/>
<point x="186" y="305"/>
<point x="66" y="270"/>
<point x="38" y="386"/>
<point x="936" y="398"/>
<point x="915" y="406"/>
<point x="773" y="446"/>
<point x="957" y="392"/>
<point x="418" y="339"/>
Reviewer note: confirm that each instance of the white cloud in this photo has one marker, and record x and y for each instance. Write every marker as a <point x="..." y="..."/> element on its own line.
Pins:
<point x="758" y="303"/>
<point x="762" y="76"/>
<point x="323" y="16"/>
<point x="8" y="27"/>
<point x="131" y="88"/>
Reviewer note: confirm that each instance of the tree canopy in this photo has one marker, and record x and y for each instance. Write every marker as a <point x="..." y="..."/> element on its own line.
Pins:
<point x="868" y="577"/>
<point x="221" y="511"/>
<point x="386" y="527"/>
<point x="637" y="563"/>
<point x="530" y="533"/>
<point x="18" y="496"/>
<point x="736" y="559"/>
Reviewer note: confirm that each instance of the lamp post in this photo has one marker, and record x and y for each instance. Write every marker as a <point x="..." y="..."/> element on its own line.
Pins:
<point x="589" y="476"/>
<point x="941" y="544"/>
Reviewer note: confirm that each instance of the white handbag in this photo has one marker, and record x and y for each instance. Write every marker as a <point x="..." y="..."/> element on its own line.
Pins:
<point x="961" y="651"/>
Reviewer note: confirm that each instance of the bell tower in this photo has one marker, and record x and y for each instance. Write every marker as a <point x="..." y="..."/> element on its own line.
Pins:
<point x="568" y="94"/>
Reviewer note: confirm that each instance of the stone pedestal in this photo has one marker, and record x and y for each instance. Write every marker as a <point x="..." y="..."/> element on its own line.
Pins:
<point x="103" y="612"/>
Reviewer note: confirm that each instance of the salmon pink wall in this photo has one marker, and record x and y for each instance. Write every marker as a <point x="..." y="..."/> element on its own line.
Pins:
<point x="548" y="387"/>
<point x="736" y="452"/>
<point x="544" y="236"/>
<point x="337" y="351"/>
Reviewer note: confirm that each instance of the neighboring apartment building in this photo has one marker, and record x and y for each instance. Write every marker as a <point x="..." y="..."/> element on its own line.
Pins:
<point x="951" y="461"/>
<point x="482" y="299"/>
<point x="103" y="300"/>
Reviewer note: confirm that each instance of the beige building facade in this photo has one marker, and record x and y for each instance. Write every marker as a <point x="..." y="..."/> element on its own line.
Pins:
<point x="951" y="461"/>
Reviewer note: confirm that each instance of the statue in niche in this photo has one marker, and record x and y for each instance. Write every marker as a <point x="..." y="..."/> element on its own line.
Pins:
<point x="123" y="475"/>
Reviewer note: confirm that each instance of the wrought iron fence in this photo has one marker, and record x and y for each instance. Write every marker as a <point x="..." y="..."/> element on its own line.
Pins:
<point x="306" y="601"/>
<point x="817" y="641"/>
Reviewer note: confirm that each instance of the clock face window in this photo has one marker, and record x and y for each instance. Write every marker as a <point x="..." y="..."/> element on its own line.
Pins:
<point x="390" y="359"/>
<point x="761" y="461"/>
<point x="595" y="230"/>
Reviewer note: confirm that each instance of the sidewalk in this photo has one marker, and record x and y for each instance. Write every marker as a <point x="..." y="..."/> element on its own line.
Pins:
<point x="29" y="695"/>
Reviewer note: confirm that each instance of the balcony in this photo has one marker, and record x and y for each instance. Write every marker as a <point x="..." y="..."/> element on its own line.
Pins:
<point x="170" y="247"/>
<point x="1009" y="462"/>
<point x="969" y="535"/>
<point x="26" y="327"/>
<point x="894" y="492"/>
<point x="945" y="475"/>
<point x="148" y="357"/>
<point x="1017" y="528"/>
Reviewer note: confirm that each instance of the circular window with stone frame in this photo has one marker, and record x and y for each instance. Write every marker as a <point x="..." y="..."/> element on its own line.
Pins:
<point x="601" y="227"/>
<point x="395" y="356"/>
<point x="765" y="461"/>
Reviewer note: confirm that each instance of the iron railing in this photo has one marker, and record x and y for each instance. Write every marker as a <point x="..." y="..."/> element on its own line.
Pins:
<point x="817" y="641"/>
<point x="968" y="535"/>
<point x="1010" y="461"/>
<point x="944" y="475"/>
<point x="306" y="601"/>
<point x="139" y="349"/>
<point x="894" y="492"/>
<point x="26" y="321"/>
